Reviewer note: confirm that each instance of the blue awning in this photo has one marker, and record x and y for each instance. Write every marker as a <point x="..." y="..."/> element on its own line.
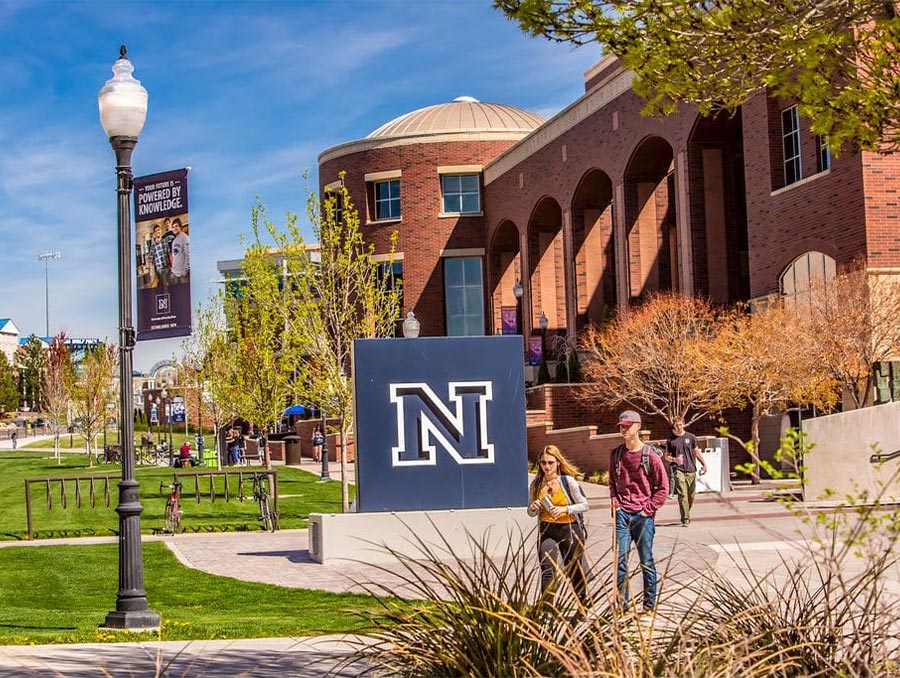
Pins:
<point x="295" y="409"/>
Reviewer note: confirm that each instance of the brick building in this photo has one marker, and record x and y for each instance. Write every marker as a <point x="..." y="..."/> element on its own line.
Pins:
<point x="599" y="205"/>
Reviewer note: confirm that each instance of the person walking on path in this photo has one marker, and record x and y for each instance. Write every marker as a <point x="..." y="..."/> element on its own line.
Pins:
<point x="683" y="453"/>
<point x="318" y="439"/>
<point x="638" y="485"/>
<point x="557" y="498"/>
<point x="14" y="437"/>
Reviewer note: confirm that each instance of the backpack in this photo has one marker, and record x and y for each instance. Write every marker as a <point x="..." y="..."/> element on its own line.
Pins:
<point x="579" y="517"/>
<point x="645" y="462"/>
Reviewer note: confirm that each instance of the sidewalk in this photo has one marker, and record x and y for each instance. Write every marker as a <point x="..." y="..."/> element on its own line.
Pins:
<point x="745" y="520"/>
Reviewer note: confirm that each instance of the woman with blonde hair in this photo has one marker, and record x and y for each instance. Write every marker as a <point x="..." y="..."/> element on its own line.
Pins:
<point x="557" y="498"/>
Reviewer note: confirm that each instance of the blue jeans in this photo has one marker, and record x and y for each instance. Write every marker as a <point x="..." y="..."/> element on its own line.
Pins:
<point x="639" y="529"/>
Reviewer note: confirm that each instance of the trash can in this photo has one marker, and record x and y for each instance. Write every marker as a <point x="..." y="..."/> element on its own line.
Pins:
<point x="292" y="450"/>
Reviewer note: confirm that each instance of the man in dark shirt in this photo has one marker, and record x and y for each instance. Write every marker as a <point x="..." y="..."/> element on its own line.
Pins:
<point x="637" y="493"/>
<point x="683" y="452"/>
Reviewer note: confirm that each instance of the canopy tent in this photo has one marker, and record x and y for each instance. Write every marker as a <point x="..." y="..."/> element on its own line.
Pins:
<point x="295" y="409"/>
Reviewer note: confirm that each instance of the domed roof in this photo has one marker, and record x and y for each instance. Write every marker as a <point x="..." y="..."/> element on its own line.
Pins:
<point x="463" y="114"/>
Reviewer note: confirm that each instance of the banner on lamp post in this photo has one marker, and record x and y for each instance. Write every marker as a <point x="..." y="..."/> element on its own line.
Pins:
<point x="535" y="351"/>
<point x="163" y="255"/>
<point x="509" y="321"/>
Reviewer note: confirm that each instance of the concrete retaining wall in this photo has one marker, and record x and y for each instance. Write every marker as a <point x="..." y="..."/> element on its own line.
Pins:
<point x="842" y="447"/>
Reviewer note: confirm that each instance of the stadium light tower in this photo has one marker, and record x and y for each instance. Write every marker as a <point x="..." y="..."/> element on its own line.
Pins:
<point x="46" y="257"/>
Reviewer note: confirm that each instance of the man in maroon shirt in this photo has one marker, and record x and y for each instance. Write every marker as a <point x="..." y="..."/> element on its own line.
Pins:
<point x="638" y="485"/>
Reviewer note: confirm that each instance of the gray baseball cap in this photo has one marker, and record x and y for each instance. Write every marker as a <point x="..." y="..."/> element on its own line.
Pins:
<point x="629" y="417"/>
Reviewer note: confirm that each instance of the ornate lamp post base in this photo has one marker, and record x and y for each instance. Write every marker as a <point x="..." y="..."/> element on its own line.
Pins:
<point x="134" y="620"/>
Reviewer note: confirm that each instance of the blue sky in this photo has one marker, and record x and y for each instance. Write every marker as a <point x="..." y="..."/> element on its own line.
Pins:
<point x="246" y="94"/>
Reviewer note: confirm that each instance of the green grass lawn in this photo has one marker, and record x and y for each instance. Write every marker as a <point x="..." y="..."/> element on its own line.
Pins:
<point x="300" y="494"/>
<point x="62" y="594"/>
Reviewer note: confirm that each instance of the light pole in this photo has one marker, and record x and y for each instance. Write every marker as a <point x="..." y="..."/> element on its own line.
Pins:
<point x="326" y="475"/>
<point x="167" y="414"/>
<point x="543" y="321"/>
<point x="518" y="291"/>
<point x="46" y="257"/>
<point x="123" y="109"/>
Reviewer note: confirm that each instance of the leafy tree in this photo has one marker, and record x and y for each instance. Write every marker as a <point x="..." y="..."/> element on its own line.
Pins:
<point x="59" y="379"/>
<point x="644" y="358"/>
<point x="341" y="297"/>
<point x="94" y="388"/>
<point x="837" y="58"/>
<point x="263" y="351"/>
<point x="206" y="364"/>
<point x="9" y="394"/>
<point x="30" y="363"/>
<point x="853" y="323"/>
<point x="744" y="369"/>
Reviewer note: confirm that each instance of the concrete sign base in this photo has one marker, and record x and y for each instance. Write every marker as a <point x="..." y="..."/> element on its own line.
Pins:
<point x="367" y="537"/>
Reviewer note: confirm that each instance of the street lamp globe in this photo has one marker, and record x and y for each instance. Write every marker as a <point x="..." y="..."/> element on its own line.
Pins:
<point x="411" y="326"/>
<point x="123" y="101"/>
<point x="543" y="321"/>
<point x="518" y="290"/>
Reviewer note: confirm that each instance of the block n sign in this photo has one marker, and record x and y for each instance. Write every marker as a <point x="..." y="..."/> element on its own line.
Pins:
<point x="440" y="423"/>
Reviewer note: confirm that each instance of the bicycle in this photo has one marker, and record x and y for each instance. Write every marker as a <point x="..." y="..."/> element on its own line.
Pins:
<point x="173" y="509"/>
<point x="268" y="517"/>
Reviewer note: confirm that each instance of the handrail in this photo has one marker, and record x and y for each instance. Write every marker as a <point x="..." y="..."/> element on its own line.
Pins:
<point x="880" y="458"/>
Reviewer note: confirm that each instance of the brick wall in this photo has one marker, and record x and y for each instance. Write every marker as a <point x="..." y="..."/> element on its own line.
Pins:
<point x="566" y="408"/>
<point x="825" y="212"/>
<point x="422" y="235"/>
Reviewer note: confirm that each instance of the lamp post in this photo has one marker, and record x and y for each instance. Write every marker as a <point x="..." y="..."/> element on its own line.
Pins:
<point x="123" y="109"/>
<point x="46" y="257"/>
<point x="518" y="291"/>
<point x="326" y="475"/>
<point x="411" y="326"/>
<point x="543" y="321"/>
<point x="167" y="414"/>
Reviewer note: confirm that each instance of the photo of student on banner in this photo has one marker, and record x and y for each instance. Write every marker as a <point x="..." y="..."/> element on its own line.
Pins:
<point x="162" y="255"/>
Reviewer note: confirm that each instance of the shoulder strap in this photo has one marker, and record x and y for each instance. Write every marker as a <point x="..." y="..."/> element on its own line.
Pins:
<point x="646" y="451"/>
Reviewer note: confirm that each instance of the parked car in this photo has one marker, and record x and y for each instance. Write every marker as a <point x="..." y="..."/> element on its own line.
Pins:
<point x="39" y="422"/>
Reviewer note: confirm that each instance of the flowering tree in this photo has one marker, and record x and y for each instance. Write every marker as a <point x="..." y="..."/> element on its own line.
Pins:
<point x="340" y="298"/>
<point x="94" y="389"/>
<point x="853" y="321"/>
<point x="644" y="358"/>
<point x="762" y="361"/>
<point x="58" y="383"/>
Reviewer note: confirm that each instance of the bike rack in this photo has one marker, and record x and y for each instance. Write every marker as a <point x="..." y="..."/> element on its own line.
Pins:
<point x="211" y="475"/>
<point x="48" y="484"/>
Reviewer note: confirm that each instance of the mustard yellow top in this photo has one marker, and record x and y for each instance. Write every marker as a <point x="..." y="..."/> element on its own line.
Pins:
<point x="559" y="499"/>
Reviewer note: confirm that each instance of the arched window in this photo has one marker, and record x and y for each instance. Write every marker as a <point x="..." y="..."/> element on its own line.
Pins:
<point x="810" y="268"/>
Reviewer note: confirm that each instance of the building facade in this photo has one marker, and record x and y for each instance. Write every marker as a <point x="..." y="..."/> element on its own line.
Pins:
<point x="599" y="206"/>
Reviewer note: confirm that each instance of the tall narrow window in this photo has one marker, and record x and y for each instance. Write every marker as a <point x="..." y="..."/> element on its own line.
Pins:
<point x="464" y="296"/>
<point x="387" y="199"/>
<point x="393" y="271"/>
<point x="460" y="193"/>
<point x="790" y="142"/>
<point x="823" y="153"/>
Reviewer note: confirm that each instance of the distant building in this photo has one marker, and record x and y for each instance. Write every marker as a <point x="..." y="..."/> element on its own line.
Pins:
<point x="9" y="338"/>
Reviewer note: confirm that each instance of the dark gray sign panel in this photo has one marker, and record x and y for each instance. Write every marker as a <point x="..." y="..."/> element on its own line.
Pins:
<point x="440" y="423"/>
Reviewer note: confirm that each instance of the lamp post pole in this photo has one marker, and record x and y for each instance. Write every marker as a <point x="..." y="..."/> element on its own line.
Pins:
<point x="518" y="291"/>
<point x="544" y="321"/>
<point x="123" y="109"/>
<point x="326" y="475"/>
